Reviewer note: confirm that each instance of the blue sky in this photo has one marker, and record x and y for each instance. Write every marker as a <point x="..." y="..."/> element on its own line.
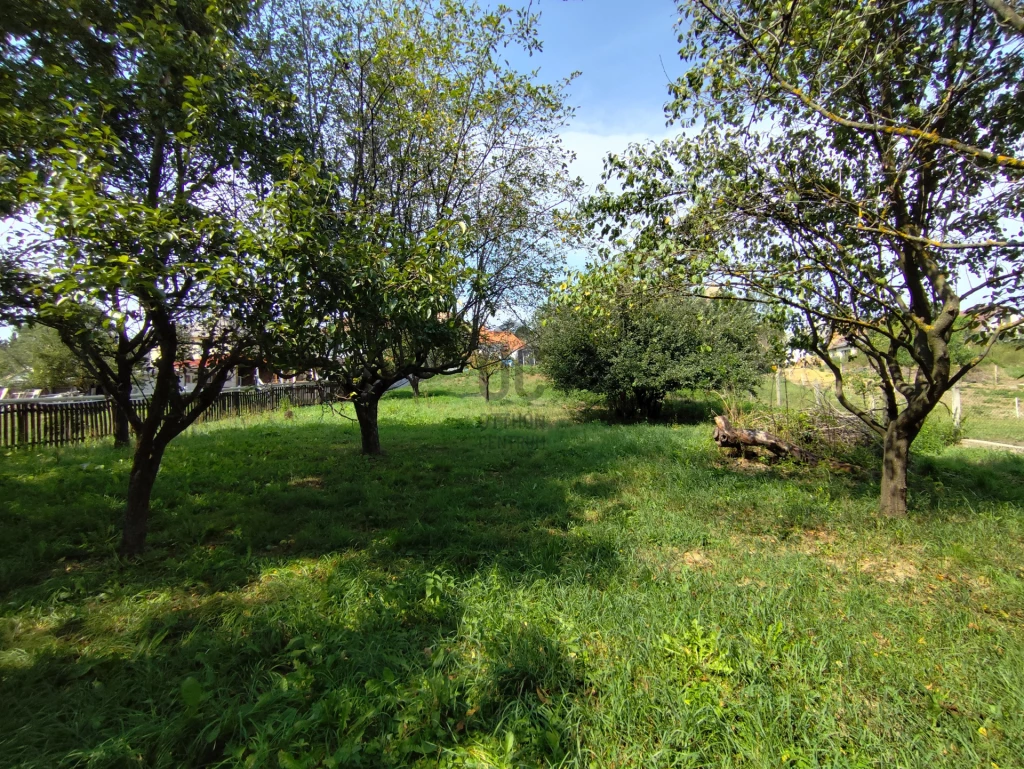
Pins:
<point x="627" y="53"/>
<point x="623" y="50"/>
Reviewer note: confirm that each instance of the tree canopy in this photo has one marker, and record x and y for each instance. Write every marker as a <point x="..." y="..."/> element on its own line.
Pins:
<point x="650" y="347"/>
<point x="143" y="251"/>
<point x="435" y="198"/>
<point x="856" y="165"/>
<point x="350" y="187"/>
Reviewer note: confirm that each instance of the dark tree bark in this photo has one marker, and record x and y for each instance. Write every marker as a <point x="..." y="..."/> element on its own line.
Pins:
<point x="366" y="413"/>
<point x="486" y="380"/>
<point x="169" y="413"/>
<point x="122" y="428"/>
<point x="895" y="460"/>
<point x="122" y="371"/>
<point x="122" y="432"/>
<point x="145" y="466"/>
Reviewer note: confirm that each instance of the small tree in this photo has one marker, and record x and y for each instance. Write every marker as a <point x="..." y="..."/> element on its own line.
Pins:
<point x="645" y="348"/>
<point x="492" y="355"/>
<point x="858" y="165"/>
<point x="360" y="299"/>
<point x="144" y="254"/>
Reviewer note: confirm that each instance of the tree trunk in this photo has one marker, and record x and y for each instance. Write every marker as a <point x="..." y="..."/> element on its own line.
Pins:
<point x="414" y="383"/>
<point x="896" y="454"/>
<point x="145" y="466"/>
<point x="727" y="436"/>
<point x="122" y="433"/>
<point x="487" y="386"/>
<point x="366" y="413"/>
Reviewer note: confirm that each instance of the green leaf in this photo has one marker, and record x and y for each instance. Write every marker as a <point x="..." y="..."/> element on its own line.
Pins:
<point x="192" y="692"/>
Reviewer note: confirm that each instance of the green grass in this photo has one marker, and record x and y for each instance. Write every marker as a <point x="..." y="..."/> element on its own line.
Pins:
<point x="506" y="587"/>
<point x="989" y="413"/>
<point x="1009" y="356"/>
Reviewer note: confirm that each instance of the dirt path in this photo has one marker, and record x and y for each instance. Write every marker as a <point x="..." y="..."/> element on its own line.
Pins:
<point x="976" y="444"/>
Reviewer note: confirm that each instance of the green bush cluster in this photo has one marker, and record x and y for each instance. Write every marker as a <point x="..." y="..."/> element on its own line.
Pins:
<point x="641" y="351"/>
<point x="937" y="435"/>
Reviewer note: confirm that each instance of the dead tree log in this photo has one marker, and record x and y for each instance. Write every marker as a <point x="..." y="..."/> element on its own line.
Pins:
<point x="729" y="437"/>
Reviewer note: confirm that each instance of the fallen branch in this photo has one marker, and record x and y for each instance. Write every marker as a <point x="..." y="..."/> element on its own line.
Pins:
<point x="729" y="437"/>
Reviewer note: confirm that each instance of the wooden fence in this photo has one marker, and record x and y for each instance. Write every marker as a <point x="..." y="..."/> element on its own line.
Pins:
<point x="70" y="420"/>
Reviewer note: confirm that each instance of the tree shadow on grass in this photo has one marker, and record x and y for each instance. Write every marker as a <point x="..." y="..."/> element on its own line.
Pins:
<point x="301" y="602"/>
<point x="349" y="665"/>
<point x="454" y="495"/>
<point x="953" y="485"/>
<point x="677" y="409"/>
<point x="242" y="677"/>
<point x="298" y="597"/>
<point x="971" y="476"/>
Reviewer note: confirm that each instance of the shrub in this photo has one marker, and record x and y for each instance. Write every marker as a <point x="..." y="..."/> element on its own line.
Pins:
<point x="643" y="352"/>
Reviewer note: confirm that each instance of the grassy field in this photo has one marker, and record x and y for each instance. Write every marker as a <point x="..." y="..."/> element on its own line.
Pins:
<point x="508" y="586"/>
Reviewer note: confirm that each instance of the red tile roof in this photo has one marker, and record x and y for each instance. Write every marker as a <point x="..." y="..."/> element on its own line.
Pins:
<point x="504" y="338"/>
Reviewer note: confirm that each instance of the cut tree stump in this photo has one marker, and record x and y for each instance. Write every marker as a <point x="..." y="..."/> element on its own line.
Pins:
<point x="729" y="437"/>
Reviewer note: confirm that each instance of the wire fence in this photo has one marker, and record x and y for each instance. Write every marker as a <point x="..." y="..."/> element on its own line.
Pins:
<point x="988" y="412"/>
<point x="62" y="421"/>
<point x="988" y="405"/>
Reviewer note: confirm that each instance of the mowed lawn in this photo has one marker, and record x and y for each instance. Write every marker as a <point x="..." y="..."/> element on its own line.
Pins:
<point x="508" y="586"/>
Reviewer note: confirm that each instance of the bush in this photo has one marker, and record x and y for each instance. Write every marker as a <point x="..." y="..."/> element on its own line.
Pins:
<point x="642" y="353"/>
<point x="936" y="435"/>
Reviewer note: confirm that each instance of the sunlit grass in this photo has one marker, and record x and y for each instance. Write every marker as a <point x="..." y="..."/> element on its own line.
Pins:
<point x="508" y="586"/>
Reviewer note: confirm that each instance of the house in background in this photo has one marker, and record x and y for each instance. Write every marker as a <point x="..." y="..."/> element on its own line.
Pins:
<point x="241" y="376"/>
<point x="841" y="349"/>
<point x="524" y="355"/>
<point x="517" y="351"/>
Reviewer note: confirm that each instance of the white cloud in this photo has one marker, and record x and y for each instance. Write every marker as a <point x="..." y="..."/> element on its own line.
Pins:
<point x="592" y="147"/>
